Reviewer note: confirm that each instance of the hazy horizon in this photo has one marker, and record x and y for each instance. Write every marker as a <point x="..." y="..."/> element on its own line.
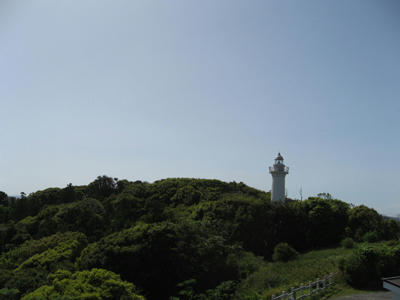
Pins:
<point x="146" y="90"/>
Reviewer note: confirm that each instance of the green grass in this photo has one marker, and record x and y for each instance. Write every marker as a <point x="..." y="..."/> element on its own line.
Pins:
<point x="273" y="278"/>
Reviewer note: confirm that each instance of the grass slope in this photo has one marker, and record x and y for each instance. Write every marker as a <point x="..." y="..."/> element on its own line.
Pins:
<point x="275" y="277"/>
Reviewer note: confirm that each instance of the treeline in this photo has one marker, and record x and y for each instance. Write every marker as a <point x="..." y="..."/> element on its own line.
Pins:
<point x="182" y="238"/>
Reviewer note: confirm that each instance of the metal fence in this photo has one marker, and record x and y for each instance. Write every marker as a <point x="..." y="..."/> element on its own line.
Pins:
<point x="304" y="291"/>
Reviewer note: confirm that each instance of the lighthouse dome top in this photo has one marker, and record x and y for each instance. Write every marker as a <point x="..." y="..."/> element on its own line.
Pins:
<point x="279" y="157"/>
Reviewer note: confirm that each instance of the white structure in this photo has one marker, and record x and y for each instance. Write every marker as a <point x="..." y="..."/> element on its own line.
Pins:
<point x="278" y="172"/>
<point x="393" y="284"/>
<point x="304" y="290"/>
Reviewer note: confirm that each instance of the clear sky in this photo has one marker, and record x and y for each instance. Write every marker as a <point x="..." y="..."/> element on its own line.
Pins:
<point x="207" y="89"/>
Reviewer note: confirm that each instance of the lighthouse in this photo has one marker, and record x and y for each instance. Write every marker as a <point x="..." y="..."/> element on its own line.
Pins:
<point x="278" y="172"/>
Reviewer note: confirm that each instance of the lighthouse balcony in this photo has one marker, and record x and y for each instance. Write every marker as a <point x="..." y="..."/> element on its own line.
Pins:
<point x="279" y="169"/>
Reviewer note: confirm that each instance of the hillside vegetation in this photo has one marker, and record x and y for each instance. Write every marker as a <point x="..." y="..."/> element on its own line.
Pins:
<point x="176" y="238"/>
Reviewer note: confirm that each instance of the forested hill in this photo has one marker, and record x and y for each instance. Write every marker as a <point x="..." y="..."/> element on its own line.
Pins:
<point x="180" y="238"/>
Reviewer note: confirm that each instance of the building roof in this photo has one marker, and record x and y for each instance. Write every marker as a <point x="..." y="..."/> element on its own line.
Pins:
<point x="393" y="281"/>
<point x="279" y="157"/>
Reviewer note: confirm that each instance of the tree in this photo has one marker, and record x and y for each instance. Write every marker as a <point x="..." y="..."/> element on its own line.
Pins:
<point x="367" y="265"/>
<point x="284" y="252"/>
<point x="102" y="187"/>
<point x="327" y="220"/>
<point x="363" y="219"/>
<point x="3" y="199"/>
<point x="87" y="216"/>
<point x="8" y="294"/>
<point x="391" y="229"/>
<point x="126" y="210"/>
<point x="68" y="194"/>
<point x="27" y="266"/>
<point x="163" y="253"/>
<point x="94" y="284"/>
<point x="326" y="196"/>
<point x="4" y="213"/>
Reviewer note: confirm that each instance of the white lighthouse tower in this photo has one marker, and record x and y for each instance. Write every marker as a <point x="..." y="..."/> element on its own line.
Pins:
<point x="278" y="172"/>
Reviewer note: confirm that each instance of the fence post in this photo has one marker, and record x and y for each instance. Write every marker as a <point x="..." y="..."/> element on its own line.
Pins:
<point x="320" y="284"/>
<point x="284" y="295"/>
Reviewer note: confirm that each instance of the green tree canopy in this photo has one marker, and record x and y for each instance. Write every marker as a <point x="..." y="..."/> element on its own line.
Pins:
<point x="90" y="284"/>
<point x="158" y="256"/>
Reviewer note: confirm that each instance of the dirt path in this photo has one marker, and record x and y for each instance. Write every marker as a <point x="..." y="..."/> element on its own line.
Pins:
<point x="369" y="296"/>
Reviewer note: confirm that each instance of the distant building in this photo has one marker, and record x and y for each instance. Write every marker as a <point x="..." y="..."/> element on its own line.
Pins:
<point x="278" y="172"/>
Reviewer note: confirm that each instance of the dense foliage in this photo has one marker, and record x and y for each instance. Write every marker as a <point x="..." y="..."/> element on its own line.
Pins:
<point x="368" y="264"/>
<point x="348" y="243"/>
<point x="93" y="284"/>
<point x="176" y="252"/>
<point x="284" y="252"/>
<point x="182" y="238"/>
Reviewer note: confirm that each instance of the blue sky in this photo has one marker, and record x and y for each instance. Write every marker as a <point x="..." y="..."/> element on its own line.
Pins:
<point x="206" y="89"/>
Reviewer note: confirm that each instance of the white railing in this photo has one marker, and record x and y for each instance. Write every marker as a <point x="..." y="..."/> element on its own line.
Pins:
<point x="304" y="291"/>
<point x="278" y="169"/>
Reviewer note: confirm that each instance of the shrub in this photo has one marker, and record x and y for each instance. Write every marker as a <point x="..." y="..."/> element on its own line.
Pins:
<point x="371" y="237"/>
<point x="93" y="284"/>
<point x="284" y="252"/>
<point x="341" y="263"/>
<point x="347" y="243"/>
<point x="368" y="264"/>
<point x="9" y="294"/>
<point x="224" y="291"/>
<point x="392" y="243"/>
